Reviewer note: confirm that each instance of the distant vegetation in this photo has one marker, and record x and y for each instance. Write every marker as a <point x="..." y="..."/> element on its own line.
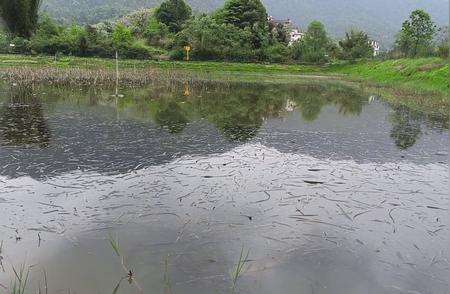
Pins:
<point x="239" y="31"/>
<point x="380" y="19"/>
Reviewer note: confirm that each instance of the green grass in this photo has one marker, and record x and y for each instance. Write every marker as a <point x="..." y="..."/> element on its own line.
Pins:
<point x="424" y="74"/>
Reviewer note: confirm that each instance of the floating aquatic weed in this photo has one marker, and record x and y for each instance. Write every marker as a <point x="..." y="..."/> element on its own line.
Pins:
<point x="239" y="269"/>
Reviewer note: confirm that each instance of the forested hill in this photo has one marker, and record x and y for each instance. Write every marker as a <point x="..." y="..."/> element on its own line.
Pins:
<point x="381" y="18"/>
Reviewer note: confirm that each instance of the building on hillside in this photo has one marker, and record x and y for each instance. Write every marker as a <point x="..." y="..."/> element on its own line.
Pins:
<point x="294" y="34"/>
<point x="376" y="47"/>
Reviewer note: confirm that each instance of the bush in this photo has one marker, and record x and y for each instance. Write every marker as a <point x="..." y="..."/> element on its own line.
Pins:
<point x="21" y="45"/>
<point x="4" y="43"/>
<point x="137" y="50"/>
<point x="277" y="53"/>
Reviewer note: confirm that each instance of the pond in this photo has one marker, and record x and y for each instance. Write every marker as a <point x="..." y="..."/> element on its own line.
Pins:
<point x="315" y="187"/>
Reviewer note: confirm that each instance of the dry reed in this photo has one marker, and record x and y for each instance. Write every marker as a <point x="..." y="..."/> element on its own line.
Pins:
<point x="98" y="77"/>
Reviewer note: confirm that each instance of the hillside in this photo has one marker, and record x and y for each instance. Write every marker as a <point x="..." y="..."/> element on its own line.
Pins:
<point x="382" y="18"/>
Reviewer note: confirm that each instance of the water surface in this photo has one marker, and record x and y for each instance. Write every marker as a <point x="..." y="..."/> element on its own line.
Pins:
<point x="329" y="188"/>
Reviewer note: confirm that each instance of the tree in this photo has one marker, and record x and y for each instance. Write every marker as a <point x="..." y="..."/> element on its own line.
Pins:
<point x="416" y="35"/>
<point x="173" y="13"/>
<point x="121" y="36"/>
<point x="279" y="33"/>
<point x="156" y="32"/>
<point x="20" y="16"/>
<point x="211" y="39"/>
<point x="313" y="47"/>
<point x="356" y="45"/>
<point x="247" y="15"/>
<point x="244" y="13"/>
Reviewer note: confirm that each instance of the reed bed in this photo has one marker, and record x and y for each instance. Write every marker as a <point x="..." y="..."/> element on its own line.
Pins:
<point x="99" y="77"/>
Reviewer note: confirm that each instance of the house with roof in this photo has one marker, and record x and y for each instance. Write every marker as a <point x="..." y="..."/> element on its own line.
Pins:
<point x="293" y="32"/>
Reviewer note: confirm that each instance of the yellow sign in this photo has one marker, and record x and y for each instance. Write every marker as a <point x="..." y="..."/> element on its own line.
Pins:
<point x="187" y="49"/>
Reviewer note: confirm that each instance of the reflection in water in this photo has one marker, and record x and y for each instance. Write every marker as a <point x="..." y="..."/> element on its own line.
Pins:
<point x="406" y="127"/>
<point x="330" y="194"/>
<point x="312" y="98"/>
<point x="22" y="121"/>
<point x="215" y="118"/>
<point x="171" y="116"/>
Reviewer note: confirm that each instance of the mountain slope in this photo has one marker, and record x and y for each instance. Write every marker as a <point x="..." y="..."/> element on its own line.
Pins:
<point x="382" y="18"/>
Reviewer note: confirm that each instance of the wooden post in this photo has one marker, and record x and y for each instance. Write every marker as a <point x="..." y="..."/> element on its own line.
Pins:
<point x="117" y="73"/>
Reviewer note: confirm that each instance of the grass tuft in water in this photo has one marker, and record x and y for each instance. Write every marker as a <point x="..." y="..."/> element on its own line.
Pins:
<point x="167" y="284"/>
<point x="115" y="245"/>
<point x="243" y="258"/>
<point x="21" y="279"/>
<point x="1" y="257"/>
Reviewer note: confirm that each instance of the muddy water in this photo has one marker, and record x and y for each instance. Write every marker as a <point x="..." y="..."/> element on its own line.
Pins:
<point x="329" y="190"/>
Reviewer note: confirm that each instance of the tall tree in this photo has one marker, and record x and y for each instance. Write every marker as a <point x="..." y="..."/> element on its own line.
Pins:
<point x="173" y="13"/>
<point x="356" y="45"/>
<point x="417" y="33"/>
<point x="20" y="16"/>
<point x="249" y="15"/>
<point x="314" y="46"/>
<point x="244" y="13"/>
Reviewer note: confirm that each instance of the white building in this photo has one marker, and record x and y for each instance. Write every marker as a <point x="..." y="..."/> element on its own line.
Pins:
<point x="294" y="32"/>
<point x="296" y="35"/>
<point x="376" y="47"/>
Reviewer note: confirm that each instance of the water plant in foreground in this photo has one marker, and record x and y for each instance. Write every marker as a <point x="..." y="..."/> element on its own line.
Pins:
<point x="129" y="273"/>
<point x="243" y="259"/>
<point x="21" y="279"/>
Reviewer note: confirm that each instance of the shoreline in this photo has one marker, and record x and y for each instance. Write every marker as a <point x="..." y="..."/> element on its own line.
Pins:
<point x="416" y="83"/>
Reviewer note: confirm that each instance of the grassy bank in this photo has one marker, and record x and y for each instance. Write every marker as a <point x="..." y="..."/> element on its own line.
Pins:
<point x="424" y="74"/>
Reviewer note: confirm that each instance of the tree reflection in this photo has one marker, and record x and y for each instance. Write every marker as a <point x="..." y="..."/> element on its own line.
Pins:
<point x="310" y="100"/>
<point x="406" y="127"/>
<point x="171" y="116"/>
<point x="348" y="100"/>
<point x="22" y="121"/>
<point x="239" y="112"/>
